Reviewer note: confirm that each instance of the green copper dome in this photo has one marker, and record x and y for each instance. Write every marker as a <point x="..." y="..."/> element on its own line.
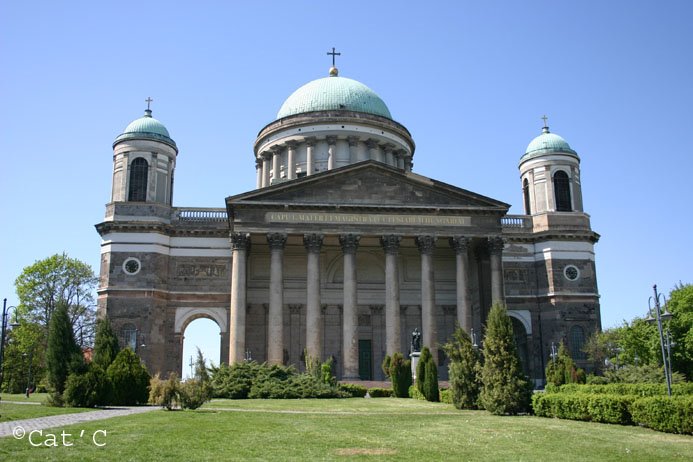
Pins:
<point x="334" y="94"/>
<point x="146" y="127"/>
<point x="547" y="143"/>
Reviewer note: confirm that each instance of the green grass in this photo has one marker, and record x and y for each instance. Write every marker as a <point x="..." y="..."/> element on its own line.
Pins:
<point x="360" y="429"/>
<point x="16" y="411"/>
<point x="33" y="398"/>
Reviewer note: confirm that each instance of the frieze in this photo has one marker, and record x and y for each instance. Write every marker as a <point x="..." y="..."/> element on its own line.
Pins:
<point x="201" y="271"/>
<point x="366" y="219"/>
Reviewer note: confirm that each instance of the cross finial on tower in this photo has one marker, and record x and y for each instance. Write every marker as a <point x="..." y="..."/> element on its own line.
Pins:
<point x="545" y="128"/>
<point x="149" y="102"/>
<point x="333" y="53"/>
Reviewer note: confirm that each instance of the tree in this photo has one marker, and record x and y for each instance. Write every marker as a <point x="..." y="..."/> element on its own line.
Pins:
<point x="55" y="280"/>
<point x="400" y="375"/>
<point x="421" y="369"/>
<point x="463" y="370"/>
<point x="24" y="362"/>
<point x="63" y="355"/>
<point x="562" y="369"/>
<point x="129" y="379"/>
<point x="505" y="388"/>
<point x="431" y="391"/>
<point x="106" y="344"/>
<point x="681" y="327"/>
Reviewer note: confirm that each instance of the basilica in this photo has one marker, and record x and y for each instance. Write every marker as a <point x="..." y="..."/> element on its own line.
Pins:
<point x="342" y="250"/>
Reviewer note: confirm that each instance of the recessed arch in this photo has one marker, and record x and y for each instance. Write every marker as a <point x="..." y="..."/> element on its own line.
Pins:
<point x="561" y="189"/>
<point x="137" y="187"/>
<point x="185" y="316"/>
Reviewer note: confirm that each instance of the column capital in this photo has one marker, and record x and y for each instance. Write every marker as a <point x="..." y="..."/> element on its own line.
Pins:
<point x="353" y="140"/>
<point x="291" y="144"/>
<point x="372" y="143"/>
<point x="349" y="242"/>
<point x="388" y="147"/>
<point x="331" y="139"/>
<point x="276" y="149"/>
<point x="258" y="162"/>
<point x="426" y="244"/>
<point x="295" y="309"/>
<point x="276" y="240"/>
<point x="390" y="243"/>
<point x="267" y="155"/>
<point x="310" y="140"/>
<point x="495" y="245"/>
<point x="376" y="309"/>
<point x="313" y="242"/>
<point x="460" y="244"/>
<point x="239" y="241"/>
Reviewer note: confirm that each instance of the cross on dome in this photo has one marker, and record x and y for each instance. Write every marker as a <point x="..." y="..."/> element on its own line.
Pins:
<point x="333" y="70"/>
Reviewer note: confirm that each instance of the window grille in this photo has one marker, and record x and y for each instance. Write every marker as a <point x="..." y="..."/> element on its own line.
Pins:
<point x="561" y="186"/>
<point x="139" y="170"/>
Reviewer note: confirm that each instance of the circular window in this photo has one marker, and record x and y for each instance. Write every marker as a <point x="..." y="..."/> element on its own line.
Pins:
<point x="571" y="273"/>
<point x="132" y="266"/>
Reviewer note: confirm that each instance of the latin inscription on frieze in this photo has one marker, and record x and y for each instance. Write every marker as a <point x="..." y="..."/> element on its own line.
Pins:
<point x="366" y="219"/>
<point x="201" y="271"/>
<point x="516" y="275"/>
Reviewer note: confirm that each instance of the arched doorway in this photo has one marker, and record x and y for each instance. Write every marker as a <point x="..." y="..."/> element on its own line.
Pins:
<point x="203" y="328"/>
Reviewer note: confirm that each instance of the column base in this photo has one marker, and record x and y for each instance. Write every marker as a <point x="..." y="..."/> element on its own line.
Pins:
<point x="414" y="362"/>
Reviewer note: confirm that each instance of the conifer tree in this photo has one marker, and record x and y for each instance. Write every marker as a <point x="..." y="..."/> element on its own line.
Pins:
<point x="400" y="374"/>
<point x="63" y="355"/>
<point x="421" y="369"/>
<point x="505" y="388"/>
<point x="463" y="369"/>
<point x="431" y="391"/>
<point x="562" y="369"/>
<point x="105" y="344"/>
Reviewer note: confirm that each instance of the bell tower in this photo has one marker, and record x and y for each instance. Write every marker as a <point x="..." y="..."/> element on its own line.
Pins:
<point x="550" y="175"/>
<point x="144" y="160"/>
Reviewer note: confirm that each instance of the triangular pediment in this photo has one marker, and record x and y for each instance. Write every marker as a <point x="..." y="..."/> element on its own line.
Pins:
<point x="368" y="184"/>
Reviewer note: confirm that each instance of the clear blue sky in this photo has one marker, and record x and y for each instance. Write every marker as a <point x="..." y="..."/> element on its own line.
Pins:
<point x="469" y="79"/>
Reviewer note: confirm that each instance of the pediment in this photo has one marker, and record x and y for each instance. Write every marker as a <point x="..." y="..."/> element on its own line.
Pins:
<point x="367" y="184"/>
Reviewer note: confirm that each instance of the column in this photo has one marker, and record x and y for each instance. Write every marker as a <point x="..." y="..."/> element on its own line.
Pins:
<point x="310" y="155"/>
<point x="495" y="247"/>
<point x="429" y="326"/>
<point x="313" y="243"/>
<point x="464" y="306"/>
<point x="353" y="149"/>
<point x="240" y="244"/>
<point x="350" y="323"/>
<point x="291" y="159"/>
<point x="373" y="149"/>
<point x="400" y="158"/>
<point x="266" y="156"/>
<point x="275" y="321"/>
<point x="408" y="164"/>
<point x="331" y="151"/>
<point x="390" y="245"/>
<point x="258" y="172"/>
<point x="388" y="154"/>
<point x="276" y="162"/>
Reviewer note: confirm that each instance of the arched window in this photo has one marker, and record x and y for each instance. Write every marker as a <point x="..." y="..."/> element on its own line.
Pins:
<point x="561" y="187"/>
<point x="128" y="336"/>
<point x="525" y="193"/>
<point x="577" y="342"/>
<point x="139" y="170"/>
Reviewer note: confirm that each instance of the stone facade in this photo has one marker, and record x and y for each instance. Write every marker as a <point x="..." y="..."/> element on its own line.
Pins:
<point x="344" y="258"/>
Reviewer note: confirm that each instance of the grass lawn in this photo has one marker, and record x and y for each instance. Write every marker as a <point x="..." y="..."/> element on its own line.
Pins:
<point x="33" y="398"/>
<point x="361" y="429"/>
<point x="12" y="407"/>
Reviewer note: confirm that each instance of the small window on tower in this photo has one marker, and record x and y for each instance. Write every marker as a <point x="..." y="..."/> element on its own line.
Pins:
<point x="561" y="186"/>
<point x="525" y="193"/>
<point x="139" y="170"/>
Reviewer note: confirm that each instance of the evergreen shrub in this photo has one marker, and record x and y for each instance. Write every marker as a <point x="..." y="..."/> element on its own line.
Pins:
<point x="446" y="396"/>
<point x="421" y="369"/>
<point x="353" y="390"/>
<point x="414" y="393"/>
<point x="89" y="389"/>
<point x="431" y="391"/>
<point x="671" y="415"/>
<point x="400" y="375"/>
<point x="164" y="393"/>
<point x="463" y="370"/>
<point x="377" y="392"/>
<point x="129" y="378"/>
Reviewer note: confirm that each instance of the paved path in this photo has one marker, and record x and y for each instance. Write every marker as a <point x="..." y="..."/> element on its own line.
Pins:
<point x="63" y="420"/>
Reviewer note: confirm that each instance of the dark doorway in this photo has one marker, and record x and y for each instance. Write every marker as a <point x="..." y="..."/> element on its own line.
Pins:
<point x="365" y="360"/>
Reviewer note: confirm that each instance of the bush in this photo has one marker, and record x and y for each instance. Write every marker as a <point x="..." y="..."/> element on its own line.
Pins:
<point x="164" y="393"/>
<point x="194" y="393"/>
<point x="581" y="406"/>
<point x="639" y="389"/>
<point x="376" y="392"/>
<point x="562" y="369"/>
<point x="610" y="408"/>
<point x="671" y="415"/>
<point x="505" y="388"/>
<point x="89" y="389"/>
<point x="421" y="369"/>
<point x="446" y="396"/>
<point x="385" y="366"/>
<point x="400" y="374"/>
<point x="463" y="371"/>
<point x="235" y="381"/>
<point x="431" y="391"/>
<point x="414" y="393"/>
<point x="129" y="378"/>
<point x="353" y="390"/>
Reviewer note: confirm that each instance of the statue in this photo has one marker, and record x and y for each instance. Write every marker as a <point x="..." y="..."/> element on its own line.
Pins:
<point x="416" y="340"/>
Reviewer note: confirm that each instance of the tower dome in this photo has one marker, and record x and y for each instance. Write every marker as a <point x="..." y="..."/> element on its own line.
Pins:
<point x="146" y="127"/>
<point x="547" y="143"/>
<point x="334" y="93"/>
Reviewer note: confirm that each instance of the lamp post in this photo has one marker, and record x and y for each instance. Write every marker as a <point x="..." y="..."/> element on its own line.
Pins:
<point x="659" y="318"/>
<point x="554" y="353"/>
<point x="5" y="314"/>
<point x="473" y="338"/>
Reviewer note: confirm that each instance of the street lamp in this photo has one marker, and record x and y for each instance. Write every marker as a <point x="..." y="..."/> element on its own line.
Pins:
<point x="5" y="314"/>
<point x="554" y="352"/>
<point x="474" y="344"/>
<point x="661" y="317"/>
